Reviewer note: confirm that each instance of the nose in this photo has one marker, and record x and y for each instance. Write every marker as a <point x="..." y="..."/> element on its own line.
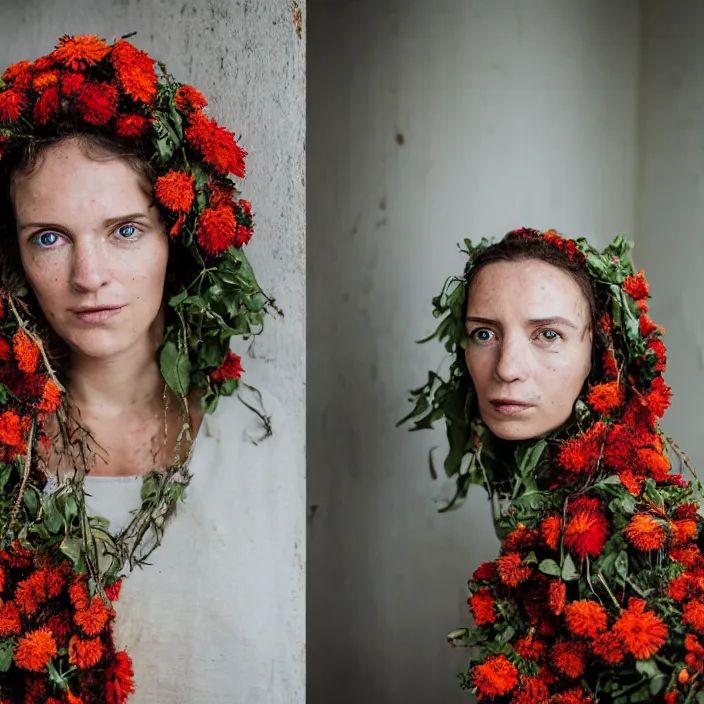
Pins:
<point x="90" y="265"/>
<point x="513" y="359"/>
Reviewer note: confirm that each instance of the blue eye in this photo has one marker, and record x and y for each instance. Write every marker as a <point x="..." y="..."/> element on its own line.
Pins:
<point x="126" y="231"/>
<point x="47" y="239"/>
<point x="482" y="335"/>
<point x="550" y="335"/>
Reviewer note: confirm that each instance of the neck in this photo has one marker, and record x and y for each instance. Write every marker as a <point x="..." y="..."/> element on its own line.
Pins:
<point x="112" y="386"/>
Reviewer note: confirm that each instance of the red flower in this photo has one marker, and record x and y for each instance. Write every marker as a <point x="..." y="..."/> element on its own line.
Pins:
<point x="71" y="83"/>
<point x="645" y="533"/>
<point x="35" y="650"/>
<point x="609" y="648"/>
<point x="43" y="80"/>
<point x="242" y="236"/>
<point x="636" y="286"/>
<point x="641" y="631"/>
<point x="586" y="618"/>
<point x="557" y="594"/>
<point x="231" y="368"/>
<point x="79" y="52"/>
<point x="11" y="427"/>
<point x="570" y="658"/>
<point x="693" y="615"/>
<point x="683" y="531"/>
<point x="530" y="648"/>
<point x="85" y="653"/>
<point x="658" y="398"/>
<point x="188" y="99"/>
<point x="216" y="229"/>
<point x="19" y="73"/>
<point x="12" y="103"/>
<point x="604" y="398"/>
<point x="97" y="102"/>
<point x="657" y="346"/>
<point x="520" y="539"/>
<point x="174" y="190"/>
<point x="633" y="483"/>
<point x="531" y="691"/>
<point x="47" y="105"/>
<point x="113" y="591"/>
<point x="586" y="533"/>
<point x="581" y="454"/>
<point x="119" y="684"/>
<point x="688" y="555"/>
<point x="646" y="325"/>
<point x="511" y="570"/>
<point x="217" y="145"/>
<point x="93" y="618"/>
<point x="483" y="607"/>
<point x="131" y="126"/>
<point x="134" y="70"/>
<point x="610" y="366"/>
<point x="26" y="351"/>
<point x="551" y="530"/>
<point x="485" y="572"/>
<point x="496" y="677"/>
<point x="10" y="621"/>
<point x="51" y="398"/>
<point x="604" y="324"/>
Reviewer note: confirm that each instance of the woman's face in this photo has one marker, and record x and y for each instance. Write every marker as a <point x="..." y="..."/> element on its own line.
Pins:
<point x="93" y="249"/>
<point x="530" y="345"/>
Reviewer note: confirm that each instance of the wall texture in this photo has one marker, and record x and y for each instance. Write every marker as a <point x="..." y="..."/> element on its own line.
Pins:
<point x="670" y="243"/>
<point x="428" y="123"/>
<point x="245" y="56"/>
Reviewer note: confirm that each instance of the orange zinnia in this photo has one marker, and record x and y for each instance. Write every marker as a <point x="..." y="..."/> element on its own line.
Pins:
<point x="93" y="618"/>
<point x="45" y="79"/>
<point x="26" y="351"/>
<point x="636" y="286"/>
<point x="530" y="691"/>
<point x="570" y="658"/>
<point x="85" y="653"/>
<point x="586" y="533"/>
<point x="645" y="533"/>
<point x="633" y="484"/>
<point x="586" y="618"/>
<point x="174" y="190"/>
<point x="79" y="52"/>
<point x="641" y="631"/>
<point x="687" y="555"/>
<point x="218" y="146"/>
<point x="521" y="538"/>
<point x="188" y="99"/>
<point x="580" y="455"/>
<point x="511" y="570"/>
<point x="693" y="615"/>
<point x="495" y="677"/>
<point x="11" y="429"/>
<point x="31" y="593"/>
<point x="51" y="397"/>
<point x="134" y="70"/>
<point x="604" y="398"/>
<point x="530" y="648"/>
<point x="658" y="398"/>
<point x="35" y="650"/>
<point x="483" y="607"/>
<point x="12" y="103"/>
<point x="684" y="531"/>
<point x="216" y="229"/>
<point x="610" y="365"/>
<point x="10" y="622"/>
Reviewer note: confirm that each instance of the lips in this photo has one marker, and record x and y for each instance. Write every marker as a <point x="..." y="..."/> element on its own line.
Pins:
<point x="96" y="315"/>
<point x="510" y="406"/>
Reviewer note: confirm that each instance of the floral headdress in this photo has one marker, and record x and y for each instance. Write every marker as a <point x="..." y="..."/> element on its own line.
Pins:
<point x="598" y="592"/>
<point x="59" y="568"/>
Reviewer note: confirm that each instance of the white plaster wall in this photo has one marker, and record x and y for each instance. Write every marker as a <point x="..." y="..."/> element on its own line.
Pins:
<point x="428" y="123"/>
<point x="671" y="202"/>
<point x="244" y="55"/>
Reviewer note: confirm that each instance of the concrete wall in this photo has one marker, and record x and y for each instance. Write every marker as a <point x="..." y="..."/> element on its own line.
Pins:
<point x="245" y="56"/>
<point x="428" y="123"/>
<point x="671" y="202"/>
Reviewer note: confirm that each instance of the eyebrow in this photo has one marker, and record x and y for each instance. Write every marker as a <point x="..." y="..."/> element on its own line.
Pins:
<point x="110" y="222"/>
<point x="555" y="320"/>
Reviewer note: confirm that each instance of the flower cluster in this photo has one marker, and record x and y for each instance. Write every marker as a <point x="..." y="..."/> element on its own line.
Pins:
<point x="597" y="594"/>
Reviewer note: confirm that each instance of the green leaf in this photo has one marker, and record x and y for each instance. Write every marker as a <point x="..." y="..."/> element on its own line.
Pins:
<point x="528" y="456"/>
<point x="73" y="549"/>
<point x="5" y="472"/>
<point x="621" y="564"/>
<point x="7" y="649"/>
<point x="175" y="368"/>
<point x="52" y="518"/>
<point x="648" y="668"/>
<point x="3" y="394"/>
<point x="550" y="567"/>
<point x="569" y="571"/>
<point x="178" y="298"/>
<point x="31" y="501"/>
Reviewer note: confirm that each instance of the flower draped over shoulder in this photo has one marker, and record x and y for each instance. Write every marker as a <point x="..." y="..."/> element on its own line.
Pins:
<point x="56" y="599"/>
<point x="597" y="594"/>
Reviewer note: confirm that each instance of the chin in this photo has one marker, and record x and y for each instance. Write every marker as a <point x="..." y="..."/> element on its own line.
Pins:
<point x="101" y="344"/>
<point x="515" y="434"/>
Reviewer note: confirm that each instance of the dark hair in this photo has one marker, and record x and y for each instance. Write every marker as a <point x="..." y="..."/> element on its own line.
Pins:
<point x="515" y="248"/>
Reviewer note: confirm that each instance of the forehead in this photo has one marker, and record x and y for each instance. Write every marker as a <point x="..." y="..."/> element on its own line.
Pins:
<point x="527" y="289"/>
<point x="66" y="179"/>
